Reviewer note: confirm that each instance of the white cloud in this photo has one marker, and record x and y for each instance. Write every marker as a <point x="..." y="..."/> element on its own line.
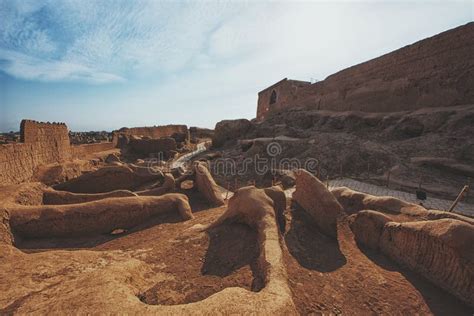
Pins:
<point x="146" y="39"/>
<point x="124" y="38"/>
<point x="31" y="68"/>
<point x="199" y="62"/>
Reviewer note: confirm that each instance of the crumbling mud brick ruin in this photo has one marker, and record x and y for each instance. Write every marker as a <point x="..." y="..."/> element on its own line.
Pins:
<point x="40" y="144"/>
<point x="433" y="72"/>
<point x="145" y="224"/>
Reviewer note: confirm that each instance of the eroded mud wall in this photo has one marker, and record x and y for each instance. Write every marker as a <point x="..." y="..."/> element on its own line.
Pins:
<point x="79" y="151"/>
<point x="41" y="143"/>
<point x="434" y="72"/>
<point x="154" y="131"/>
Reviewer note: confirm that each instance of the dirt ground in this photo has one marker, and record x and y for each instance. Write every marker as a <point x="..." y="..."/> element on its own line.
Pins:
<point x="325" y="276"/>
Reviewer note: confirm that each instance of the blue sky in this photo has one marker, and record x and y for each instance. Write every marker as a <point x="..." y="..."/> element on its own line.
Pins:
<point x="105" y="64"/>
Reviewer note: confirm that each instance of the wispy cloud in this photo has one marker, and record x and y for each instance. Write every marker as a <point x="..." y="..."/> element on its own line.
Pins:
<point x="205" y="60"/>
<point x="103" y="39"/>
<point x="112" y="40"/>
<point x="32" y="68"/>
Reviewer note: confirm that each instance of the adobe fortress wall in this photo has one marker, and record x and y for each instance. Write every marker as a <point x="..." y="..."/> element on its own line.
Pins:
<point x="40" y="144"/>
<point x="155" y="131"/>
<point x="80" y="151"/>
<point x="122" y="136"/>
<point x="434" y="72"/>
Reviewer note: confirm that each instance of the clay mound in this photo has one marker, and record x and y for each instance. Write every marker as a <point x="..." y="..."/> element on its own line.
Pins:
<point x="102" y="216"/>
<point x="60" y="172"/>
<point x="234" y="268"/>
<point x="368" y="227"/>
<point x="108" y="179"/>
<point x="435" y="214"/>
<point x="53" y="197"/>
<point x="112" y="281"/>
<point x="169" y="185"/>
<point x="279" y="204"/>
<point x="256" y="209"/>
<point x="354" y="202"/>
<point x="442" y="251"/>
<point x="250" y="205"/>
<point x="313" y="196"/>
<point x="206" y="185"/>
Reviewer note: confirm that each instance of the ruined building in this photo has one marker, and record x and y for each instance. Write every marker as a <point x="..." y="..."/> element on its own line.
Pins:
<point x="435" y="72"/>
<point x="40" y="144"/>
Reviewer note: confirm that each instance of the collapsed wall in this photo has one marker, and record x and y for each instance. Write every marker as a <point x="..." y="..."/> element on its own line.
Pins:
<point x="313" y="196"/>
<point x="83" y="150"/>
<point x="110" y="178"/>
<point x="440" y="250"/>
<point x="40" y="144"/>
<point x="53" y="197"/>
<point x="95" y="217"/>
<point x="196" y="133"/>
<point x="115" y="280"/>
<point x="165" y="146"/>
<point x="434" y="72"/>
<point x="206" y="185"/>
<point x="179" y="132"/>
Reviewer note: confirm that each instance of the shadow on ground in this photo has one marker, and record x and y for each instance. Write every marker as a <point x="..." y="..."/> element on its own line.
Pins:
<point x="81" y="242"/>
<point x="439" y="301"/>
<point x="311" y="248"/>
<point x="231" y="247"/>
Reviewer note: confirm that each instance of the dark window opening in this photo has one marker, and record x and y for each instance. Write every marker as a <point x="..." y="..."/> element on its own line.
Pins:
<point x="273" y="97"/>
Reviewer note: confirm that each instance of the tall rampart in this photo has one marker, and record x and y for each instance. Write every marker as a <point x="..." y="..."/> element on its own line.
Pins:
<point x="434" y="72"/>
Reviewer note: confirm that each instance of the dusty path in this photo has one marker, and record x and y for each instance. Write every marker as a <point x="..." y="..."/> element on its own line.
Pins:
<point x="181" y="161"/>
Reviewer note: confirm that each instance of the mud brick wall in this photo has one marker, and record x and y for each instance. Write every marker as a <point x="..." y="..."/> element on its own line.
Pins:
<point x="155" y="131"/>
<point x="179" y="132"/>
<point x="286" y="92"/>
<point x="41" y="143"/>
<point x="435" y="72"/>
<point x="148" y="146"/>
<point x="80" y="151"/>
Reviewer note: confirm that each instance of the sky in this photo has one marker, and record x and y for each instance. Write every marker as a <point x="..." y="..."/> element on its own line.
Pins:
<point x="106" y="64"/>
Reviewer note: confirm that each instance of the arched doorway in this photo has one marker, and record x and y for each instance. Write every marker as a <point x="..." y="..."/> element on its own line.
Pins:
<point x="273" y="97"/>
